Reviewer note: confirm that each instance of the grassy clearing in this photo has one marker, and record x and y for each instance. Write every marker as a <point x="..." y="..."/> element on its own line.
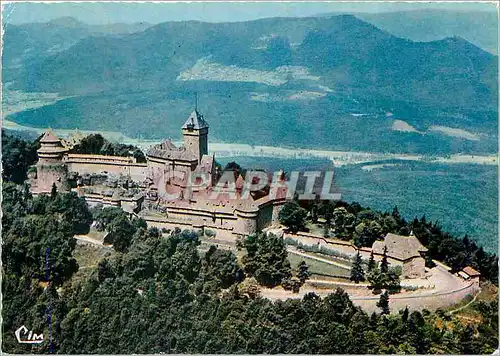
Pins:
<point x="88" y="256"/>
<point x="315" y="229"/>
<point x="318" y="267"/>
<point x="331" y="258"/>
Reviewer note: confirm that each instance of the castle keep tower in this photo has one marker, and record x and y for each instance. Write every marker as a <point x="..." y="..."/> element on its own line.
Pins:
<point x="51" y="168"/>
<point x="195" y="132"/>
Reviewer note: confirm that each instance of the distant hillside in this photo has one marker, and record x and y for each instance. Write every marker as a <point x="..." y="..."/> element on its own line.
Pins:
<point x="332" y="82"/>
<point x="477" y="27"/>
<point x="27" y="42"/>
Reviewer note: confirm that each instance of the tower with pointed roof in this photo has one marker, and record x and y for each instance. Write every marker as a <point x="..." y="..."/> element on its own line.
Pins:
<point x="51" y="168"/>
<point x="51" y="149"/>
<point x="195" y="134"/>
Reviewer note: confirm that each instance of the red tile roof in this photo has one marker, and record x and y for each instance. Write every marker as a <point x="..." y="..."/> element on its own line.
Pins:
<point x="49" y="136"/>
<point x="471" y="272"/>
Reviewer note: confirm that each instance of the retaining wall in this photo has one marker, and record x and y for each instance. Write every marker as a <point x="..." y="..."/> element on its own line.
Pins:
<point x="345" y="247"/>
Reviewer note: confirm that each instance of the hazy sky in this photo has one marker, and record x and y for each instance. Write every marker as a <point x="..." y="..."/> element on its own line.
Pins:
<point x="102" y="13"/>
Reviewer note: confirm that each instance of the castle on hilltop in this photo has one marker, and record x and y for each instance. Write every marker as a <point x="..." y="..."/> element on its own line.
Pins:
<point x="162" y="190"/>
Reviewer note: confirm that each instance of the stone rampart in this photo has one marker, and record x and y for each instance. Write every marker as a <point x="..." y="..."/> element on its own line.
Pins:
<point x="100" y="164"/>
<point x="344" y="247"/>
<point x="222" y="231"/>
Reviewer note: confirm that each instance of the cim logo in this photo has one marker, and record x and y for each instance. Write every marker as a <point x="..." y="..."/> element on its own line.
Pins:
<point x="25" y="336"/>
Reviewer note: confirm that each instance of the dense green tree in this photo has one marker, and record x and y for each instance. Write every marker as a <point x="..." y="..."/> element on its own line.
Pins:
<point x="292" y="216"/>
<point x="91" y="144"/>
<point x="67" y="206"/>
<point x="17" y="156"/>
<point x="384" y="264"/>
<point x="35" y="242"/>
<point x="392" y="280"/>
<point x="104" y="270"/>
<point x="120" y="232"/>
<point x="376" y="280"/>
<point x="371" y="263"/>
<point x="75" y="210"/>
<point x="220" y="269"/>
<point x="367" y="232"/>
<point x="266" y="259"/>
<point x="303" y="272"/>
<point x="344" y="223"/>
<point x="98" y="145"/>
<point x="16" y="203"/>
<point x="383" y="303"/>
<point x="357" y="271"/>
<point x="104" y="216"/>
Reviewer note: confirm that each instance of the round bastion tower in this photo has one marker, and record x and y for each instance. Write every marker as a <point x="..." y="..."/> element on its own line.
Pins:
<point x="51" y="168"/>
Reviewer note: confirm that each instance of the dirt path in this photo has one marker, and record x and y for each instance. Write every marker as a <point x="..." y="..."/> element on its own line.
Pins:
<point x="86" y="239"/>
<point x="465" y="306"/>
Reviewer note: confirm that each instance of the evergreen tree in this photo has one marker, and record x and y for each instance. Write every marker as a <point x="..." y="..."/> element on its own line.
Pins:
<point x="292" y="216"/>
<point x="404" y="315"/>
<point x="53" y="191"/>
<point x="371" y="263"/>
<point x="303" y="273"/>
<point x="375" y="280"/>
<point x="357" y="272"/>
<point x="383" y="303"/>
<point x="384" y="265"/>
<point x="391" y="281"/>
<point x="266" y="259"/>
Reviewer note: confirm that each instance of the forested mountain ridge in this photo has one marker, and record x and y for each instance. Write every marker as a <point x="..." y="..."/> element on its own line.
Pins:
<point x="478" y="27"/>
<point x="25" y="43"/>
<point x="330" y="46"/>
<point x="337" y="74"/>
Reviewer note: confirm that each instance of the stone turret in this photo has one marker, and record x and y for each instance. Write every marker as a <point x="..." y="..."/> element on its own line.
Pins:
<point x="195" y="133"/>
<point x="52" y="149"/>
<point x="51" y="168"/>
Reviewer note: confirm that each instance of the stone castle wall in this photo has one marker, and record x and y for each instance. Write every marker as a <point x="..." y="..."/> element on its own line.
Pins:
<point x="310" y="239"/>
<point x="48" y="174"/>
<point x="414" y="268"/>
<point x="222" y="232"/>
<point x="265" y="217"/>
<point x="98" y="164"/>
